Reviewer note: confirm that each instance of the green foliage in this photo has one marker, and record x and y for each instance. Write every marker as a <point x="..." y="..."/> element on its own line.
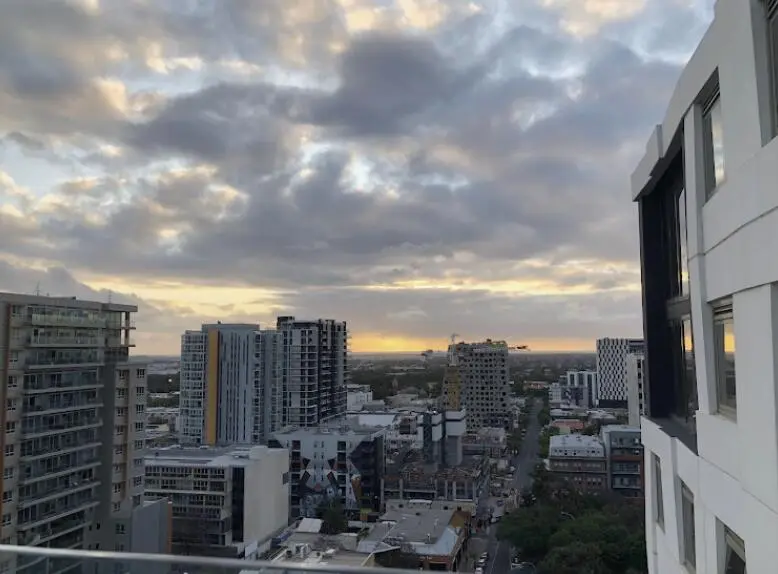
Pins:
<point x="544" y="416"/>
<point x="545" y="439"/>
<point x="333" y="517"/>
<point x="563" y="531"/>
<point x="381" y="381"/>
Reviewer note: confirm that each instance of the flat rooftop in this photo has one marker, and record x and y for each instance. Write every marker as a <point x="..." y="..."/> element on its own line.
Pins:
<point x="414" y="525"/>
<point x="216" y="457"/>
<point x="65" y="302"/>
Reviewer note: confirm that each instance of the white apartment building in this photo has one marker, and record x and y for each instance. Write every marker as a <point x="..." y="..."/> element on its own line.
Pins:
<point x="586" y="381"/>
<point x="485" y="390"/>
<point x="74" y="421"/>
<point x="314" y="370"/>
<point x="636" y="389"/>
<point x="611" y="369"/>
<point x="230" y="384"/>
<point x="707" y="190"/>
<point x="225" y="501"/>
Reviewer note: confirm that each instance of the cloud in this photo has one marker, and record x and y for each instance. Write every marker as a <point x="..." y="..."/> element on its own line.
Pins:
<point x="424" y="166"/>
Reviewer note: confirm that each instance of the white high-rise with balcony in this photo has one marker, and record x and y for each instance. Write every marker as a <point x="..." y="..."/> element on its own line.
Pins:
<point x="707" y="190"/>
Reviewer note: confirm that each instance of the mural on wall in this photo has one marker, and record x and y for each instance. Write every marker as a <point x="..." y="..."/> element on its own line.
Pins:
<point x="319" y="483"/>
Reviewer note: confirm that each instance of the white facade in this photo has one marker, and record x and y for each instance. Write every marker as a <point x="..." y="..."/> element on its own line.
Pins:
<point x="714" y="497"/>
<point x="636" y="391"/>
<point x="203" y="485"/>
<point x="358" y="396"/>
<point x="575" y="446"/>
<point x="230" y="384"/>
<point x="611" y="367"/>
<point x="587" y="382"/>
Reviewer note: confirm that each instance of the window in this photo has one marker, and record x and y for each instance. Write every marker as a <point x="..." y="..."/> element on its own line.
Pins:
<point x="724" y="349"/>
<point x="139" y="409"/>
<point x="6" y="519"/>
<point x="8" y="473"/>
<point x="10" y="404"/>
<point x="735" y="553"/>
<point x="659" y="503"/>
<point x="9" y="450"/>
<point x="689" y="553"/>
<point x="140" y="391"/>
<point x="10" y="427"/>
<point x="120" y="529"/>
<point x="140" y="373"/>
<point x="713" y="143"/>
<point x="772" y="43"/>
<point x="136" y="500"/>
<point x="683" y="256"/>
<point x="8" y="496"/>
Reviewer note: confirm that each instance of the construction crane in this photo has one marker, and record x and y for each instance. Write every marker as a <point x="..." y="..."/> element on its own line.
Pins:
<point x="519" y="348"/>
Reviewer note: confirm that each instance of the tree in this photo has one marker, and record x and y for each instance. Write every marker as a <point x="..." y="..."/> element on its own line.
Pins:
<point x="530" y="530"/>
<point x="333" y="517"/>
<point x="574" y="558"/>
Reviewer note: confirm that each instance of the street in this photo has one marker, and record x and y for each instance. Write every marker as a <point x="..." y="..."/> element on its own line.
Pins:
<point x="500" y="552"/>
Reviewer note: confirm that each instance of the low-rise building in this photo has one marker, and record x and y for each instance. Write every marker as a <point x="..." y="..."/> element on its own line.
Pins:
<point x="357" y="396"/>
<point x="579" y="460"/>
<point x="225" y="501"/>
<point x="341" y="460"/>
<point x="624" y="453"/>
<point x="435" y="537"/>
<point x="568" y="426"/>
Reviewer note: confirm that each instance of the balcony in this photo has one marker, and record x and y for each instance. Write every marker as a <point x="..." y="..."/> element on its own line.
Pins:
<point x="61" y="359"/>
<point x="65" y="342"/>
<point x="57" y="320"/>
<point x="135" y="563"/>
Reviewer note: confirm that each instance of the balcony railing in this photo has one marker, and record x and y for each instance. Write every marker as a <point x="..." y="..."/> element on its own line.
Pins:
<point x="132" y="563"/>
<point x="51" y="319"/>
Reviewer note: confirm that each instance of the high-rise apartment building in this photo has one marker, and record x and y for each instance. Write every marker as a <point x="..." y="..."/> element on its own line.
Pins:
<point x="582" y="387"/>
<point x="707" y="190"/>
<point x="484" y="390"/>
<point x="611" y="369"/>
<point x="314" y="370"/>
<point x="73" y="421"/>
<point x="636" y="388"/>
<point x="230" y="384"/>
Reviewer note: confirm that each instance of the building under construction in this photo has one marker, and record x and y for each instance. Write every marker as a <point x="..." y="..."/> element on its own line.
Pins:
<point x="414" y="479"/>
<point x="477" y="381"/>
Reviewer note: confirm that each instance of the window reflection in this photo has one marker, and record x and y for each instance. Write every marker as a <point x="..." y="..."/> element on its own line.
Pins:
<point x="684" y="253"/>
<point x="724" y="339"/>
<point x="689" y="372"/>
<point x="713" y="145"/>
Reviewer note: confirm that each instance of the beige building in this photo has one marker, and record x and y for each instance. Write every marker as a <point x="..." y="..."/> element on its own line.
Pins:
<point x="74" y="422"/>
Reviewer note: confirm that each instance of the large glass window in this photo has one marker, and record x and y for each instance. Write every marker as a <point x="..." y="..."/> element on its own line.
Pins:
<point x="724" y="349"/>
<point x="689" y="538"/>
<point x="713" y="144"/>
<point x="685" y="373"/>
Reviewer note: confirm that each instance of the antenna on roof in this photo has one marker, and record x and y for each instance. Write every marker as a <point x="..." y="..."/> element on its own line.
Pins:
<point x="38" y="289"/>
<point x="110" y="295"/>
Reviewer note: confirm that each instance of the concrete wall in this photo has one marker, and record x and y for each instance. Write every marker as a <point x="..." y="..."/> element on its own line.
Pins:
<point x="266" y="493"/>
<point x="732" y="245"/>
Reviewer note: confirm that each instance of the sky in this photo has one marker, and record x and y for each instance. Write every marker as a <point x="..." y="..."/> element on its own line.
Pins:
<point x="415" y="167"/>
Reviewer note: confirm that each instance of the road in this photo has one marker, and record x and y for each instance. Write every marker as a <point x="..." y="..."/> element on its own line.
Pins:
<point x="500" y="552"/>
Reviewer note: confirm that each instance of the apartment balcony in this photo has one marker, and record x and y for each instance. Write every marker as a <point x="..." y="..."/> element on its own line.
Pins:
<point x="55" y="523"/>
<point x="84" y="342"/>
<point x="65" y="485"/>
<point x="114" y="342"/>
<point x="46" y="430"/>
<point x="65" y="320"/>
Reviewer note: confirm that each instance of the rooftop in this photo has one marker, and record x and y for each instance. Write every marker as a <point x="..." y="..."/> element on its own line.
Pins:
<point x="65" y="302"/>
<point x="576" y="445"/>
<point x="620" y="428"/>
<point x="219" y="457"/>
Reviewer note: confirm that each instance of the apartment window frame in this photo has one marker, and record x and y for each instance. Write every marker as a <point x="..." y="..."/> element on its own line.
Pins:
<point x="771" y="22"/>
<point x="723" y="316"/>
<point x="659" y="502"/>
<point x="734" y="550"/>
<point x="710" y="102"/>
<point x="688" y="529"/>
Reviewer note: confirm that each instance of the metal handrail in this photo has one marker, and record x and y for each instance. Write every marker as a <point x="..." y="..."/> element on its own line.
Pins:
<point x="176" y="560"/>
